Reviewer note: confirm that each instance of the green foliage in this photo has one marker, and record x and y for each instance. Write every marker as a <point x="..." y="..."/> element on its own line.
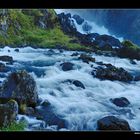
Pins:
<point x="14" y="127"/>
<point x="129" y="44"/>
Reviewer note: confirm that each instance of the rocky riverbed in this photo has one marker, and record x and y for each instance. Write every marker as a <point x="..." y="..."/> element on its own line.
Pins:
<point x="69" y="90"/>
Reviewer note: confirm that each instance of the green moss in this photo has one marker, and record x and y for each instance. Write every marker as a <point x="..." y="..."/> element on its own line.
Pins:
<point x="14" y="127"/>
<point x="129" y="44"/>
<point x="23" y="108"/>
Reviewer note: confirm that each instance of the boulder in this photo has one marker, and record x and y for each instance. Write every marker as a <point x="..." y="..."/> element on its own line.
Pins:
<point x="6" y="58"/>
<point x="8" y="113"/>
<point x="86" y="27"/>
<point x="86" y="58"/>
<point x="48" y="114"/>
<point x="103" y="40"/>
<point x="133" y="62"/>
<point x="110" y="72"/>
<point x="78" y="19"/>
<point x="77" y="83"/>
<point x="121" y="102"/>
<point x="16" y="50"/>
<point x="137" y="78"/>
<point x="20" y="86"/>
<point x="75" y="54"/>
<point x="2" y="67"/>
<point x="66" y="66"/>
<point x="112" y="123"/>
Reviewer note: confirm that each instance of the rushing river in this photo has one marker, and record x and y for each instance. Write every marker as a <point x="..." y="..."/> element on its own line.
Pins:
<point x="81" y="108"/>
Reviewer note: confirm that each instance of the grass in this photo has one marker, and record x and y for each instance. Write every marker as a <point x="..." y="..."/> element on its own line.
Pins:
<point x="14" y="127"/>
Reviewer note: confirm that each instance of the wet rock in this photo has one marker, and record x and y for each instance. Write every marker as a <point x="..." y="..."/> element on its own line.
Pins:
<point x="8" y="50"/>
<point x="16" y="50"/>
<point x="77" y="83"/>
<point x="121" y="102"/>
<point x="137" y="78"/>
<point x="6" y="58"/>
<point x="133" y="62"/>
<point x="47" y="114"/>
<point x="86" y="58"/>
<point x="45" y="103"/>
<point x="75" y="54"/>
<point x="2" y="67"/>
<point x="86" y="27"/>
<point x="29" y="111"/>
<point x="20" y="86"/>
<point x="112" y="73"/>
<point x="78" y="19"/>
<point x="66" y="66"/>
<point x="103" y="40"/>
<point x="112" y="123"/>
<point x="8" y="113"/>
<point x="50" y="52"/>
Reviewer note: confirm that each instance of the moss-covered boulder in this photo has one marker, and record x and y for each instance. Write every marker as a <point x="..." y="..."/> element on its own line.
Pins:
<point x="8" y="113"/>
<point x="112" y="123"/>
<point x="22" y="87"/>
<point x="129" y="50"/>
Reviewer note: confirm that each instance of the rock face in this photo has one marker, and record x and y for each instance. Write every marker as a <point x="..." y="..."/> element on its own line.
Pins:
<point x="85" y="58"/>
<point x="21" y="87"/>
<point x="103" y="40"/>
<point x="112" y="123"/>
<point x="121" y="102"/>
<point x="6" y="58"/>
<point x="112" y="73"/>
<point x="67" y="23"/>
<point x="8" y="113"/>
<point x="78" y="19"/>
<point x="66" y="66"/>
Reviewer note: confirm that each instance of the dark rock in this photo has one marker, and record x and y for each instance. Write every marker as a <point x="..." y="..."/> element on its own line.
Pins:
<point x="47" y="114"/>
<point x="8" y="113"/>
<point x="2" y="67"/>
<point x="6" y="58"/>
<point x="112" y="123"/>
<point x="86" y="58"/>
<point x="78" y="19"/>
<point x="50" y="52"/>
<point x="66" y="66"/>
<point x="86" y="27"/>
<point x="16" y="50"/>
<point x="137" y="78"/>
<point x="108" y="40"/>
<point x="45" y="103"/>
<point x="121" y="102"/>
<point x="77" y="83"/>
<point x="8" y="50"/>
<point x="133" y="62"/>
<point x="112" y="73"/>
<point x="21" y="87"/>
<point x="75" y="54"/>
<point x="29" y="111"/>
<point x="67" y="23"/>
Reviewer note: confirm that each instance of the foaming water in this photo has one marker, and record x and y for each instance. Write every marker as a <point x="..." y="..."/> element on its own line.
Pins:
<point x="95" y="27"/>
<point x="81" y="108"/>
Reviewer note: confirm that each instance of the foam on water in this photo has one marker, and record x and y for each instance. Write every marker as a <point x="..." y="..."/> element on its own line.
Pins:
<point x="81" y="108"/>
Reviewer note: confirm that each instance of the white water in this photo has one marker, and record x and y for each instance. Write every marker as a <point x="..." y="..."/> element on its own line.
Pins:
<point x="95" y="28"/>
<point x="81" y="108"/>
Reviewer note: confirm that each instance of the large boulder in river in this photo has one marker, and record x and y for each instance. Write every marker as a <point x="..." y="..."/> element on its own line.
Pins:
<point x="121" y="102"/>
<point x="6" y="58"/>
<point x="8" y="113"/>
<point x="112" y="123"/>
<point x="77" y="83"/>
<point x="48" y="114"/>
<point x="20" y="86"/>
<point x="110" y="72"/>
<point x="86" y="58"/>
<point x="66" y="66"/>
